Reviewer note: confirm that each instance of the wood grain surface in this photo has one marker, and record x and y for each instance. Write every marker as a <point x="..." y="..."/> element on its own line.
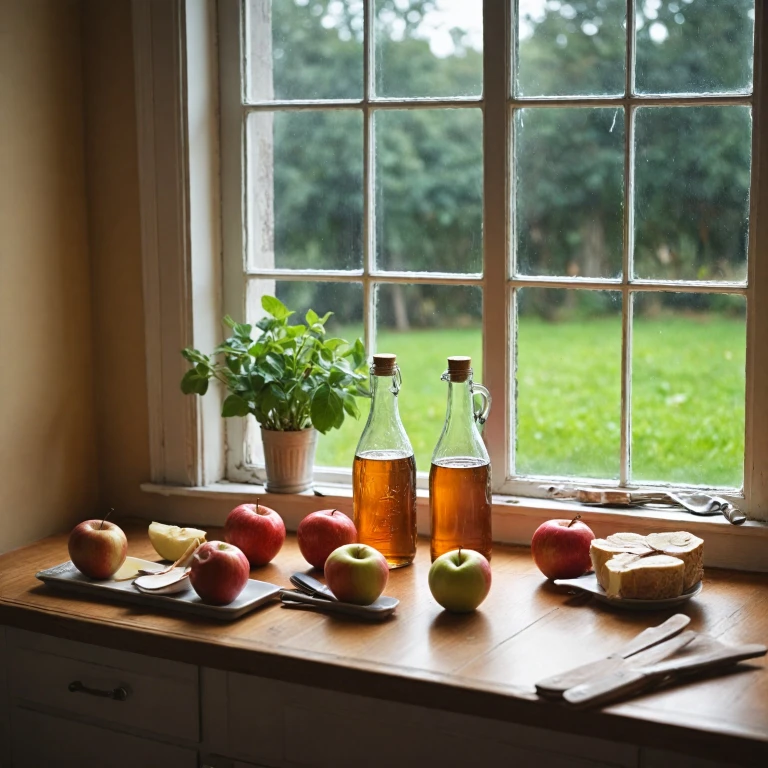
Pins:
<point x="484" y="663"/>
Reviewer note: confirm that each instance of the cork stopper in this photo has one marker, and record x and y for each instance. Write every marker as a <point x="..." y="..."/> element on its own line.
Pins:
<point x="384" y="364"/>
<point x="459" y="367"/>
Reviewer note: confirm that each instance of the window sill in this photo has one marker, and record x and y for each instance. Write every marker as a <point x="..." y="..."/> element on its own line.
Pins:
<point x="743" y="547"/>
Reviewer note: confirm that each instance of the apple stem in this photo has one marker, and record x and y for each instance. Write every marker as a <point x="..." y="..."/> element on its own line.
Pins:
<point x="459" y="556"/>
<point x="578" y="517"/>
<point x="333" y="512"/>
<point x="111" y="510"/>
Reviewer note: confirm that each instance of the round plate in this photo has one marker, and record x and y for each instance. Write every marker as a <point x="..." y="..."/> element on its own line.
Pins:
<point x="588" y="583"/>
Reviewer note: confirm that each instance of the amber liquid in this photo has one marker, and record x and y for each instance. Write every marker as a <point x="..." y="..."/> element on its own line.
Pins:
<point x="460" y="505"/>
<point x="384" y="502"/>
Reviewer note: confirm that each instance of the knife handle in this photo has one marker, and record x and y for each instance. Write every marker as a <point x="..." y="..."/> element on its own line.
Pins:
<point x="557" y="685"/>
<point x="653" y="650"/>
<point x="653" y="635"/>
<point x="622" y="682"/>
<point x="733" y="515"/>
<point x="625" y="680"/>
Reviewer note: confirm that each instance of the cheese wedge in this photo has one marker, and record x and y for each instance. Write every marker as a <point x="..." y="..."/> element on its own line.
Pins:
<point x="602" y="550"/>
<point x="634" y="577"/>
<point x="686" y="547"/>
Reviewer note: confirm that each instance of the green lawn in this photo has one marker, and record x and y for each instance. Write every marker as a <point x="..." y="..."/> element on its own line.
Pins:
<point x="687" y="397"/>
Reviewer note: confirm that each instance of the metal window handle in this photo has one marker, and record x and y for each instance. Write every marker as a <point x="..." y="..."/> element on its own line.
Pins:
<point x="116" y="694"/>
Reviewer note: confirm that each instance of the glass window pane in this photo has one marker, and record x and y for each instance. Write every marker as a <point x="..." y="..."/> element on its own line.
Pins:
<point x="301" y="50"/>
<point x="688" y="358"/>
<point x="345" y="300"/>
<point x="568" y="383"/>
<point x="305" y="189"/>
<point x="570" y="48"/>
<point x="423" y="325"/>
<point x="694" y="46"/>
<point x="569" y="191"/>
<point x="432" y="49"/>
<point x="692" y="192"/>
<point x="429" y="190"/>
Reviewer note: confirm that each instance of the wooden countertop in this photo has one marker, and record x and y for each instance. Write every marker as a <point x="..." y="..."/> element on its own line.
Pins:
<point x="482" y="664"/>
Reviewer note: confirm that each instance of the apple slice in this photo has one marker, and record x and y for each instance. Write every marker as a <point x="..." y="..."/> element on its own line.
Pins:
<point x="171" y="542"/>
<point x="167" y="583"/>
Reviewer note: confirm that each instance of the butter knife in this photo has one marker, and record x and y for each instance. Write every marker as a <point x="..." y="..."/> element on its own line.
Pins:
<point x="556" y="685"/>
<point x="634" y="680"/>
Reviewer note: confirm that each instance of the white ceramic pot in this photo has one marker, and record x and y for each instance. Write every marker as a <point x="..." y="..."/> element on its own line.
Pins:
<point x="289" y="459"/>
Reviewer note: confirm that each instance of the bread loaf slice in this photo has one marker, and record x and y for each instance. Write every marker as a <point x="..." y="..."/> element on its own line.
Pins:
<point x="686" y="547"/>
<point x="602" y="550"/>
<point x="635" y="577"/>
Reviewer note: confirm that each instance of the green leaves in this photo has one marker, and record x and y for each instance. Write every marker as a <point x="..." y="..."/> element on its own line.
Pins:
<point x="234" y="405"/>
<point x="275" y="307"/>
<point x="327" y="409"/>
<point x="289" y="377"/>
<point x="194" y="383"/>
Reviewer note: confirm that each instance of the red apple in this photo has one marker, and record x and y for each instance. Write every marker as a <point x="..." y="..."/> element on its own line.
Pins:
<point x="356" y="573"/>
<point x="560" y="548"/>
<point x="97" y="548"/>
<point x="460" y="580"/>
<point x="259" y="531"/>
<point x="219" y="572"/>
<point x="322" y="532"/>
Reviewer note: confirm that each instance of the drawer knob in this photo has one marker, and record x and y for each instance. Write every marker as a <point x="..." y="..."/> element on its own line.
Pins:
<point x="116" y="694"/>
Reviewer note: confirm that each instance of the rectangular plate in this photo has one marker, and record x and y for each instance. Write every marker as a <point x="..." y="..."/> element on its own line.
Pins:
<point x="67" y="578"/>
<point x="383" y="608"/>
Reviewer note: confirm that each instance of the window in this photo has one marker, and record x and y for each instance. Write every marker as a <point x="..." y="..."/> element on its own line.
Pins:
<point x="559" y="189"/>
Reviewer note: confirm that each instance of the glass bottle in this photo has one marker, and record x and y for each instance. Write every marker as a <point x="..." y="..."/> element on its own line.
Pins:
<point x="384" y="472"/>
<point x="460" y="475"/>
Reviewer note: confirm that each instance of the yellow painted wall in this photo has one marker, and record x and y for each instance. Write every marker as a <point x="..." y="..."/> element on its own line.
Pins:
<point x="115" y="243"/>
<point x="48" y="476"/>
<point x="115" y="240"/>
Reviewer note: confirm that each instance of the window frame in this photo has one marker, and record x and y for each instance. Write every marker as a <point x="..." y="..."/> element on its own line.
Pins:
<point x="181" y="249"/>
<point x="498" y="280"/>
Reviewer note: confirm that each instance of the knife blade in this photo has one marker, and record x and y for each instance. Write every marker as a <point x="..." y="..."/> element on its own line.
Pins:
<point x="633" y="680"/>
<point x="556" y="685"/>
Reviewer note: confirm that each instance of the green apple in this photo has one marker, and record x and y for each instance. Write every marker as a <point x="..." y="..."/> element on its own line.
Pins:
<point x="356" y="573"/>
<point x="460" y="580"/>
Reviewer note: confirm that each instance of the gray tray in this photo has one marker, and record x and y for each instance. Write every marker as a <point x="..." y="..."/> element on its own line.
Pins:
<point x="67" y="578"/>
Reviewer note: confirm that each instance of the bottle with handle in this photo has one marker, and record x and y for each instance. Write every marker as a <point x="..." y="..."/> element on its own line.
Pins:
<point x="460" y="475"/>
<point x="384" y="472"/>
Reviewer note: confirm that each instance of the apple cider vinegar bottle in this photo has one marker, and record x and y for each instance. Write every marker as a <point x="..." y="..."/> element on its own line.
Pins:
<point x="460" y="475"/>
<point x="384" y="472"/>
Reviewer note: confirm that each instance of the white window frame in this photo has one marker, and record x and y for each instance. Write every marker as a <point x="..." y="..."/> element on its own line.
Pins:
<point x="499" y="289"/>
<point x="186" y="290"/>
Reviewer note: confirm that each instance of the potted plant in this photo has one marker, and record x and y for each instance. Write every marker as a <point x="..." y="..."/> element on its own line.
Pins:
<point x="292" y="379"/>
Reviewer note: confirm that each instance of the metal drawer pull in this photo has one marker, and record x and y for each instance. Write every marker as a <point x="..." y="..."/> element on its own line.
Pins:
<point x="116" y="694"/>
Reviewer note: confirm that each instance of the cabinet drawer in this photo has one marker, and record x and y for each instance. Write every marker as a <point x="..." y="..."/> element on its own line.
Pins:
<point x="283" y="724"/>
<point x="159" y="696"/>
<point x="43" y="740"/>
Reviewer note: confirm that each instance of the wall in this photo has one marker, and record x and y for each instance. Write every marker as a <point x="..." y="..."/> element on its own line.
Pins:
<point x="115" y="242"/>
<point x="47" y="428"/>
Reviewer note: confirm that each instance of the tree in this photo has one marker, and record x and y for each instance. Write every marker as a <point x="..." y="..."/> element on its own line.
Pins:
<point x="692" y="163"/>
